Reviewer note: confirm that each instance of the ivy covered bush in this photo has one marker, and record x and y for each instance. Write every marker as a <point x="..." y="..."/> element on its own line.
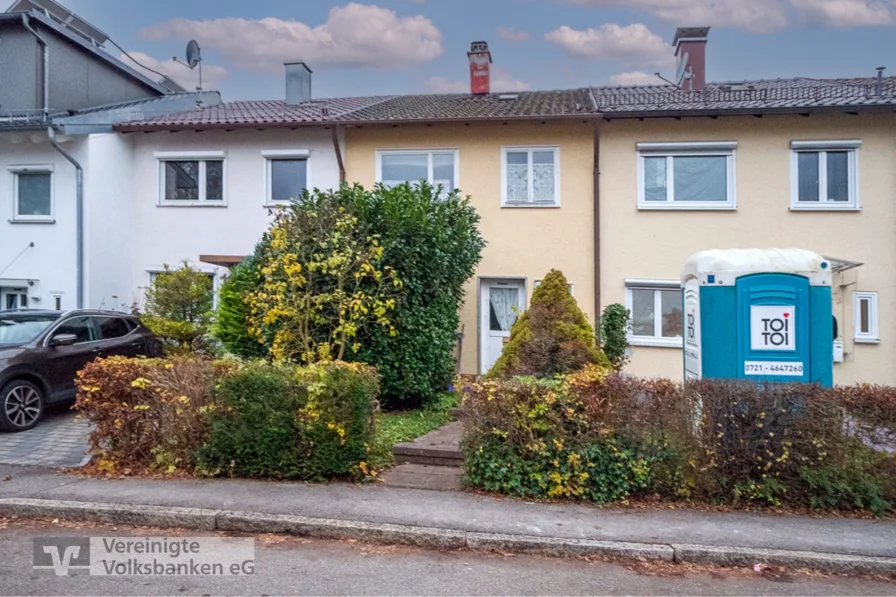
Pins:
<point x="551" y="337"/>
<point x="191" y="415"/>
<point x="600" y="437"/>
<point x="383" y="270"/>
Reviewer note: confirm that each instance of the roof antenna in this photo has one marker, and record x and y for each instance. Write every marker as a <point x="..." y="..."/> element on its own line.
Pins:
<point x="666" y="80"/>
<point x="194" y="59"/>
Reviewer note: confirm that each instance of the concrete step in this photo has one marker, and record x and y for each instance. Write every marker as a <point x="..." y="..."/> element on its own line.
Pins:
<point x="422" y="476"/>
<point x="437" y="448"/>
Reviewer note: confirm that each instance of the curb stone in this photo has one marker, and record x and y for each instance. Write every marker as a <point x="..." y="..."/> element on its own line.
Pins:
<point x="205" y="519"/>
<point x="568" y="547"/>
<point x="747" y="556"/>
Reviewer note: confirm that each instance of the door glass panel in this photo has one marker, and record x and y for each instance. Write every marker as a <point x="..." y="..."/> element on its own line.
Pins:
<point x="112" y="327"/>
<point x="79" y="326"/>
<point x="672" y="318"/>
<point x="643" y="313"/>
<point x="503" y="308"/>
<point x="838" y="176"/>
<point x="12" y="301"/>
<point x="807" y="170"/>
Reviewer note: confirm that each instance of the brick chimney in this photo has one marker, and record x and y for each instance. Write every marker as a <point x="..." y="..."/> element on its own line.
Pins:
<point x="480" y="62"/>
<point x="690" y="47"/>
<point x="298" y="82"/>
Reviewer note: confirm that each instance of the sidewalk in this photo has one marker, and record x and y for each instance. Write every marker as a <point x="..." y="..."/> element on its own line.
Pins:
<point x="467" y="512"/>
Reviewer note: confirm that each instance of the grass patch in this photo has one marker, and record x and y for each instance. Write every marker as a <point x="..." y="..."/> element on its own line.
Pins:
<point x="404" y="426"/>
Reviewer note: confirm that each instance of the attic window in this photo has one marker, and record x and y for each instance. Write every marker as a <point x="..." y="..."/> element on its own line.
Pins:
<point x="508" y="97"/>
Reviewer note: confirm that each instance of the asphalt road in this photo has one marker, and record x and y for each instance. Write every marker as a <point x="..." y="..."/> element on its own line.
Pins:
<point x="313" y="567"/>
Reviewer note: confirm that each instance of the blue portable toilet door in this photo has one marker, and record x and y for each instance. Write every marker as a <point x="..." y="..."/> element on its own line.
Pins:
<point x="773" y="328"/>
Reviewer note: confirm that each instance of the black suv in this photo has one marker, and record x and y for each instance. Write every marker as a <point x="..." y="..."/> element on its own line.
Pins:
<point x="42" y="351"/>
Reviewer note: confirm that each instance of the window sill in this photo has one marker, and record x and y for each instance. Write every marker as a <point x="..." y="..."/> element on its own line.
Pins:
<point x="192" y="204"/>
<point x="277" y="204"/>
<point x="867" y="340"/>
<point x="684" y="207"/>
<point x="530" y="205"/>
<point x="15" y="221"/>
<point x="824" y="207"/>
<point x="656" y="342"/>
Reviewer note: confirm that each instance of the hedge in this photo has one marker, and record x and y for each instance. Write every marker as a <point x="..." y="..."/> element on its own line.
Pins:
<point x="197" y="416"/>
<point x="604" y="437"/>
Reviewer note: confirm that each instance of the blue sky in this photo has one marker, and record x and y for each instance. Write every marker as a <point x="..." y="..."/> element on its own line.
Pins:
<point x="374" y="47"/>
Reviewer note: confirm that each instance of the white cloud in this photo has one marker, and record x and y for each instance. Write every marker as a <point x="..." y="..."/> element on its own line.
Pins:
<point x="844" y="14"/>
<point x="758" y="16"/>
<point x="501" y="81"/>
<point x="354" y="35"/>
<point x="188" y="79"/>
<point x="635" y="77"/>
<point x="633" y="45"/>
<point x="511" y="34"/>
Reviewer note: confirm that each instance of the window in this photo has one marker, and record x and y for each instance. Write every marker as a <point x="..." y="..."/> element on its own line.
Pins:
<point x="287" y="175"/>
<point x="32" y="191"/>
<point x="191" y="178"/>
<point x="865" y="307"/>
<point x="530" y="177"/>
<point x="437" y="167"/>
<point x="81" y="327"/>
<point x="824" y="175"/>
<point x="656" y="312"/>
<point x="112" y="327"/>
<point x="686" y="175"/>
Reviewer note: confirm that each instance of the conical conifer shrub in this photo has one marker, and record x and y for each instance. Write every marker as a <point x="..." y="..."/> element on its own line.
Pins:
<point x="552" y="337"/>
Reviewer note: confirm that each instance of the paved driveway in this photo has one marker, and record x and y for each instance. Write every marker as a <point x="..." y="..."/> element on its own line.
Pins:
<point x="58" y="440"/>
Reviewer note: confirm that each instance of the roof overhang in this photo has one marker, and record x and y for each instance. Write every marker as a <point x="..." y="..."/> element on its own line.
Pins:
<point x="223" y="260"/>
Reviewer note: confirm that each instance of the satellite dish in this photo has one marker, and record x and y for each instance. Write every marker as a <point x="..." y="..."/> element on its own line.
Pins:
<point x="682" y="65"/>
<point x="194" y="56"/>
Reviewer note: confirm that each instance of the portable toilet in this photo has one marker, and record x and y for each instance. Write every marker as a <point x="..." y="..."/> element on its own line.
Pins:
<point x="758" y="314"/>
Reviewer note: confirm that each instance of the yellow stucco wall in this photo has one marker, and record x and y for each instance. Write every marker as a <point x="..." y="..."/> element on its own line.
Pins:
<point x="655" y="244"/>
<point x="522" y="242"/>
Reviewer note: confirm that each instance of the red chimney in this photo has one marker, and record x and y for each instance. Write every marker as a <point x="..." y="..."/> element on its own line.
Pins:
<point x="480" y="61"/>
<point x="690" y="47"/>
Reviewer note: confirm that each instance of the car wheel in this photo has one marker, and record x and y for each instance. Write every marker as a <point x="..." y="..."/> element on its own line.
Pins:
<point x="21" y="405"/>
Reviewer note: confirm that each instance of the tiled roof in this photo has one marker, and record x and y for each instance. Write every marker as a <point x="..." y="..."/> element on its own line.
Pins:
<point x="791" y="95"/>
<point x="746" y="96"/>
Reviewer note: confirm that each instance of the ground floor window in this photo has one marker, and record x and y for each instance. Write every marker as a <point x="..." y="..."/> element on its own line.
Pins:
<point x="656" y="310"/>
<point x="865" y="310"/>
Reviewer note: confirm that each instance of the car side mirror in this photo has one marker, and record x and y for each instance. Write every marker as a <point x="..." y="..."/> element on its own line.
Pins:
<point x="63" y="340"/>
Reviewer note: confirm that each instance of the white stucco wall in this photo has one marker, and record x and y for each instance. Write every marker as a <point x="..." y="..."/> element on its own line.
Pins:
<point x="108" y="180"/>
<point x="50" y="264"/>
<point x="171" y="234"/>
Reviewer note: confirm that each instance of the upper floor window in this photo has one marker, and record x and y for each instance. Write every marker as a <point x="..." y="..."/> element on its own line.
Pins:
<point x="287" y="175"/>
<point x="824" y="175"/>
<point x="437" y="167"/>
<point x="530" y="176"/>
<point x="191" y="178"/>
<point x="32" y="191"/>
<point x="686" y="175"/>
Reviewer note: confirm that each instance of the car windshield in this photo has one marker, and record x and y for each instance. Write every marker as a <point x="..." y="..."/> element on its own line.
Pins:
<point x="21" y="327"/>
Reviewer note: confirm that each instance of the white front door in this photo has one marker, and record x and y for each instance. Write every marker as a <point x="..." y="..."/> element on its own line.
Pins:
<point x="500" y="302"/>
<point x="13" y="298"/>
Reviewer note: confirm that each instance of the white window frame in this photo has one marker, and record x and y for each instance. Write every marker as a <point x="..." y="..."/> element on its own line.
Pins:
<point x="822" y="148"/>
<point x="529" y="149"/>
<point x="871" y="336"/>
<point x="429" y="170"/>
<point x="269" y="156"/>
<point x="656" y="286"/>
<point x="14" y="172"/>
<point x="726" y="149"/>
<point x="212" y="272"/>
<point x="193" y="156"/>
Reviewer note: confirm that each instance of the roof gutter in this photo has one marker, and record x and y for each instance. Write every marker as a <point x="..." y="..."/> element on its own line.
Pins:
<point x="79" y="203"/>
<point x="45" y="54"/>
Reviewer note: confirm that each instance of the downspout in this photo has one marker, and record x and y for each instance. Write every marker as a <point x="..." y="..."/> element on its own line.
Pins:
<point x="596" y="209"/>
<point x="79" y="202"/>
<point x="26" y="22"/>
<point x="338" y="151"/>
